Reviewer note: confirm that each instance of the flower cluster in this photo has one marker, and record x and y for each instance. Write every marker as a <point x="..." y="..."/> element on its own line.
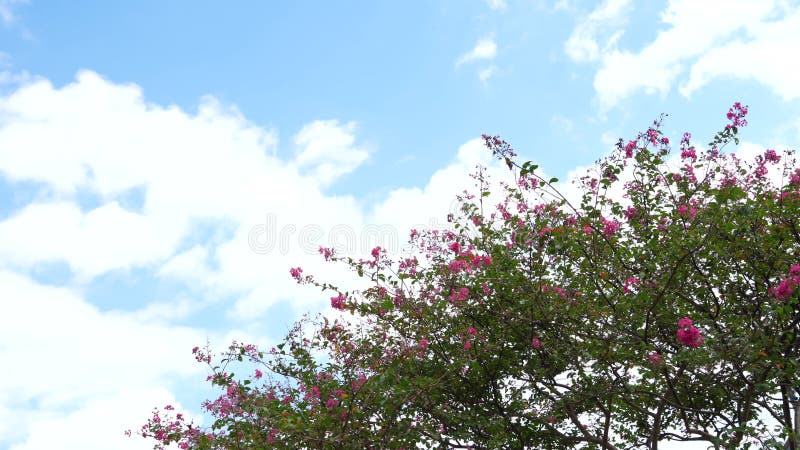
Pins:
<point x="786" y="287"/>
<point x="688" y="334"/>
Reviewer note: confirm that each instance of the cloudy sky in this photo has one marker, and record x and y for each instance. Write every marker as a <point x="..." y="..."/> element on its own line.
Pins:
<point x="163" y="164"/>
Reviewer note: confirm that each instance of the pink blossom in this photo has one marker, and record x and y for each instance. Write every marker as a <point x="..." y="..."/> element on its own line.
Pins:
<point x="787" y="286"/>
<point x="631" y="281"/>
<point x="326" y="253"/>
<point x="610" y="227"/>
<point x="771" y="156"/>
<point x="630" y="213"/>
<point x="472" y="331"/>
<point x="652" y="136"/>
<point x="272" y="434"/>
<point x="296" y="273"/>
<point x="629" y="148"/>
<point x="258" y="374"/>
<point x="423" y="344"/>
<point x="535" y="343"/>
<point x="736" y="115"/>
<point x="338" y="302"/>
<point x="459" y="296"/>
<point x="688" y="212"/>
<point x="655" y="359"/>
<point x="467" y="345"/>
<point x="457" y="266"/>
<point x="688" y="334"/>
<point x="794" y="178"/>
<point x="689" y="153"/>
<point x="784" y="290"/>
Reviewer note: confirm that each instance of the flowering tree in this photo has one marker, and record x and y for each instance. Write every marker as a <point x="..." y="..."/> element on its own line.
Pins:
<point x="660" y="305"/>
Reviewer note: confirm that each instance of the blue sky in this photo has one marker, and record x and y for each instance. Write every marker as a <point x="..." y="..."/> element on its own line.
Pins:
<point x="141" y="144"/>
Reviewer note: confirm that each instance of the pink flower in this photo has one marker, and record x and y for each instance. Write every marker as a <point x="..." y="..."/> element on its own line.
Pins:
<point x="652" y="136"/>
<point x="258" y="374"/>
<point x="535" y="343"/>
<point x="472" y="331"/>
<point x="338" y="302"/>
<point x="296" y="273"/>
<point x="794" y="178"/>
<point x="610" y="227"/>
<point x="688" y="212"/>
<point x="785" y="289"/>
<point x="689" y="153"/>
<point x="376" y="252"/>
<point x="629" y="148"/>
<point x="326" y="253"/>
<point x="457" y="266"/>
<point x="631" y="281"/>
<point x="771" y="156"/>
<point x="458" y="296"/>
<point x="467" y="345"/>
<point x="655" y="359"/>
<point x="688" y="334"/>
<point x="736" y="115"/>
<point x="423" y="344"/>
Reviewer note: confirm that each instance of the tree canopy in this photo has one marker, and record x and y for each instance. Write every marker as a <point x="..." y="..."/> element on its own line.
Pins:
<point x="659" y="304"/>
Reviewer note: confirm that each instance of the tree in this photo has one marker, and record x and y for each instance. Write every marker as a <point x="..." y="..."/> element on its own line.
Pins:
<point x="660" y="305"/>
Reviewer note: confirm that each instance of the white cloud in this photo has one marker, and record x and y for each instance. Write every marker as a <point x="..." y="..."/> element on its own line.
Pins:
<point x="7" y="14"/>
<point x="326" y="149"/>
<point x="68" y="359"/>
<point x="103" y="239"/>
<point x="99" y="423"/>
<point x="497" y="5"/>
<point x="743" y="40"/>
<point x="211" y="168"/>
<point x="100" y="137"/>
<point x="485" y="49"/>
<point x="607" y="18"/>
<point x="765" y="57"/>
<point x="486" y="73"/>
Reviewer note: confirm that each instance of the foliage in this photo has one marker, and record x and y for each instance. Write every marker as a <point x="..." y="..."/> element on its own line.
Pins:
<point x="660" y="305"/>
